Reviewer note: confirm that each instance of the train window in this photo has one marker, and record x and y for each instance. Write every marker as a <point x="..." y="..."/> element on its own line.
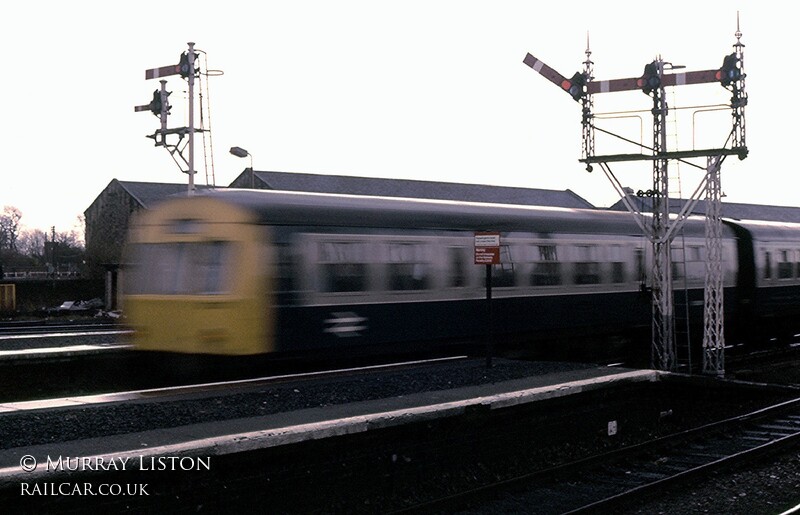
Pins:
<point x="344" y="277"/>
<point x="638" y="256"/>
<point x="617" y="272"/>
<point x="785" y="265"/>
<point x="678" y="268"/>
<point x="797" y="265"/>
<point x="587" y="267"/>
<point x="457" y="267"/>
<point x="285" y="267"/>
<point x="409" y="267"/>
<point x="343" y="266"/>
<point x="546" y="268"/>
<point x="767" y="266"/>
<point x="617" y="264"/>
<point x="180" y="268"/>
<point x="503" y="274"/>
<point x="587" y="273"/>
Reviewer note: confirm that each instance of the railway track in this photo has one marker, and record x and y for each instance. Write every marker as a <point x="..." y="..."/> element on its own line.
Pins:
<point x="601" y="482"/>
<point x="43" y="341"/>
<point x="31" y="327"/>
<point x="773" y="365"/>
<point x="217" y="387"/>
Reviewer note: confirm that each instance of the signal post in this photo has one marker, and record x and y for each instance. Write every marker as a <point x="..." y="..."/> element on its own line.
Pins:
<point x="160" y="107"/>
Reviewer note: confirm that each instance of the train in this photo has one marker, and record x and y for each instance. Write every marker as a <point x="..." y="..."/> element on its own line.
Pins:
<point x="231" y="272"/>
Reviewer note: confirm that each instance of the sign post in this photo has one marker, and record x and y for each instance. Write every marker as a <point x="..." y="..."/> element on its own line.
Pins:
<point x="487" y="252"/>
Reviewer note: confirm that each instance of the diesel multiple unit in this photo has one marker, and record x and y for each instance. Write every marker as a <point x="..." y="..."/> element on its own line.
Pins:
<point x="241" y="272"/>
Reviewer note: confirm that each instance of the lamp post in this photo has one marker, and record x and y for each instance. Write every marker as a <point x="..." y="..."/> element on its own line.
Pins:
<point x="240" y="152"/>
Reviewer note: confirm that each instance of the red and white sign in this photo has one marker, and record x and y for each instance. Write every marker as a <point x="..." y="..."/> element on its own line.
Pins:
<point x="487" y="248"/>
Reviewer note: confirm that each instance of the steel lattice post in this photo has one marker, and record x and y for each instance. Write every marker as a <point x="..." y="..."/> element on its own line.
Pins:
<point x="739" y="98"/>
<point x="663" y="345"/>
<point x="190" y="79"/>
<point x="713" y="317"/>
<point x="738" y="103"/>
<point x="587" y="105"/>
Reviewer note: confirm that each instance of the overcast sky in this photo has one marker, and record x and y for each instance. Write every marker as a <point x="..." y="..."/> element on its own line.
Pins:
<point x="430" y="90"/>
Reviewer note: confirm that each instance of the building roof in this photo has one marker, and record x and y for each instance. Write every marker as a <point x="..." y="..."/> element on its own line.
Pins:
<point x="732" y="210"/>
<point x="149" y="193"/>
<point x="146" y="194"/>
<point x="316" y="183"/>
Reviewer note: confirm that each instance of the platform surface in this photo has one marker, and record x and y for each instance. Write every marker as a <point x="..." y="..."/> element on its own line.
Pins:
<point x="258" y="432"/>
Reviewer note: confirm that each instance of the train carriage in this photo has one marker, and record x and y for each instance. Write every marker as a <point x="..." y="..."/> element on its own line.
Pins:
<point x="239" y="272"/>
<point x="769" y="282"/>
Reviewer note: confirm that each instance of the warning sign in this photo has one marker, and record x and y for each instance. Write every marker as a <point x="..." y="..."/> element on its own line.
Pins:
<point x="487" y="248"/>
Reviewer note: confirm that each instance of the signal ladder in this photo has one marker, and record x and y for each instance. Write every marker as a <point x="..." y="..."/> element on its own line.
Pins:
<point x="681" y="318"/>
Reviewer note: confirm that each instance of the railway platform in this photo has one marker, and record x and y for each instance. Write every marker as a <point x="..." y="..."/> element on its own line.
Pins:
<point x="280" y="429"/>
<point x="355" y="444"/>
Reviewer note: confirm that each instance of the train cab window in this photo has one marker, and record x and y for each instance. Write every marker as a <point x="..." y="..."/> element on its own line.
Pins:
<point x="546" y="267"/>
<point x="785" y="265"/>
<point x="195" y="268"/>
<point x="343" y="266"/>
<point x="587" y="266"/>
<point x="409" y="266"/>
<point x="209" y="260"/>
<point x="457" y="267"/>
<point x="503" y="274"/>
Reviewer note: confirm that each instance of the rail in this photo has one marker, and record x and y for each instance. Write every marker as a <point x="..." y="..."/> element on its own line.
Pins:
<point x="601" y="481"/>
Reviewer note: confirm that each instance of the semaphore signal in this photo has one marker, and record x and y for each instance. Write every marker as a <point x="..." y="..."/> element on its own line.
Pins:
<point x="188" y="69"/>
<point x="660" y="227"/>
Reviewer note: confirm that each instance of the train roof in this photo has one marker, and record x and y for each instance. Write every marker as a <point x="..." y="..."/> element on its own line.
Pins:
<point x="321" y="209"/>
<point x="763" y="230"/>
<point x="730" y="210"/>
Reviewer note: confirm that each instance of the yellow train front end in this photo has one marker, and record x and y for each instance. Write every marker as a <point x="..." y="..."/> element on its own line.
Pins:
<point x="196" y="280"/>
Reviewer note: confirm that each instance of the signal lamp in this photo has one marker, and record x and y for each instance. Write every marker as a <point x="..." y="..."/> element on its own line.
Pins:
<point x="650" y="79"/>
<point x="576" y="86"/>
<point x="156" y="105"/>
<point x="183" y="65"/>
<point x="731" y="70"/>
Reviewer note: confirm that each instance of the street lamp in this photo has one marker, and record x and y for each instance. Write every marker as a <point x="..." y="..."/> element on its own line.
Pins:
<point x="240" y="152"/>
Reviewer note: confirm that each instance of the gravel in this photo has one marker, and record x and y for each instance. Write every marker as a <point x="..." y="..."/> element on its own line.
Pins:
<point x="769" y="487"/>
<point x="64" y="424"/>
